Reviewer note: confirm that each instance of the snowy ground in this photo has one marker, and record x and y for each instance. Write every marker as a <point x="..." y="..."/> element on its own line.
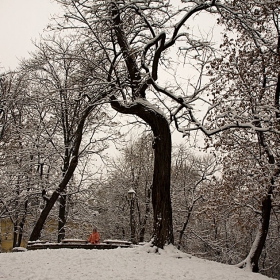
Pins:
<point x="126" y="263"/>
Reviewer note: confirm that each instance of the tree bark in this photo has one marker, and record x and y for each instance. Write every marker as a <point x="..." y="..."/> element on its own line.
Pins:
<point x="161" y="200"/>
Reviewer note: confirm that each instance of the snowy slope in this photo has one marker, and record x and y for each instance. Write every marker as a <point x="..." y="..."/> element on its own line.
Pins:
<point x="126" y="263"/>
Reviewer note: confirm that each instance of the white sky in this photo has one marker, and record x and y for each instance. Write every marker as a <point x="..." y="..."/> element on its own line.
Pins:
<point x="21" y="21"/>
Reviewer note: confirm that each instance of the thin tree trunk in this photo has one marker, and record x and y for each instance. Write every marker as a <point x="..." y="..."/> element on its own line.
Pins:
<point x="132" y="223"/>
<point x="15" y="231"/>
<point x="144" y="222"/>
<point x="252" y="260"/>
<point x="161" y="199"/>
<point x="190" y="210"/>
<point x="68" y="175"/>
<point x="44" y="214"/>
<point x="182" y="231"/>
<point x="61" y="217"/>
<point x="22" y="223"/>
<point x="63" y="201"/>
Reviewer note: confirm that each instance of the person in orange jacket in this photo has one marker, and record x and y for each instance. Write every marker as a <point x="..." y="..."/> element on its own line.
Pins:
<point x="94" y="238"/>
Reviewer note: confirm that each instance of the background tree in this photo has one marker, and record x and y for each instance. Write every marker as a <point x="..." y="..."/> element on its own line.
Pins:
<point x="132" y="169"/>
<point x="54" y="69"/>
<point x="191" y="176"/>
<point x="58" y="75"/>
<point x="19" y="164"/>
<point x="249" y="91"/>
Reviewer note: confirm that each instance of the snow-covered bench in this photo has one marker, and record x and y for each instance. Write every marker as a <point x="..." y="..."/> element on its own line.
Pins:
<point x="78" y="244"/>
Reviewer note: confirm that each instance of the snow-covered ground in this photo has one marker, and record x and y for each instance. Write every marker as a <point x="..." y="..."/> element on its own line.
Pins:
<point x="126" y="263"/>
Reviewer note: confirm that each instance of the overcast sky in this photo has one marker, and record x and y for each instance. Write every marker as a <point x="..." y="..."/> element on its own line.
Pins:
<point x="21" y="21"/>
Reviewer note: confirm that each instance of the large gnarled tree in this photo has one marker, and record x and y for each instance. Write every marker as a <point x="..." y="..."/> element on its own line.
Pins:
<point x="133" y="42"/>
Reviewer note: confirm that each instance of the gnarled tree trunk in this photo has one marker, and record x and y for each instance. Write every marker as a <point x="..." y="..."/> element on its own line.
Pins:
<point x="161" y="200"/>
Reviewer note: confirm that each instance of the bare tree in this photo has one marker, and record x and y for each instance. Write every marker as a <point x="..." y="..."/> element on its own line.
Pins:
<point x="132" y="169"/>
<point x="57" y="76"/>
<point x="191" y="176"/>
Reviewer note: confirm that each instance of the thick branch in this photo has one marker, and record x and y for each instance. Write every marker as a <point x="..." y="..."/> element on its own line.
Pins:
<point x="128" y="55"/>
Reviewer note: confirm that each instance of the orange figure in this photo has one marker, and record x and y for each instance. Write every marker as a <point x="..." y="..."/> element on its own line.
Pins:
<point x="94" y="238"/>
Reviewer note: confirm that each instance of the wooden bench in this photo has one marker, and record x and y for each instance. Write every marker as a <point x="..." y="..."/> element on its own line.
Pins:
<point x="70" y="246"/>
<point x="78" y="244"/>
<point x="74" y="241"/>
<point x="120" y="243"/>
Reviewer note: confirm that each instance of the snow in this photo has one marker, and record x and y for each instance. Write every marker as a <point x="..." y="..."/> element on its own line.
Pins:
<point x="140" y="262"/>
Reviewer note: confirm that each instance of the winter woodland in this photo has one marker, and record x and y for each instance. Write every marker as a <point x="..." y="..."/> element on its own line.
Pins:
<point x="97" y="110"/>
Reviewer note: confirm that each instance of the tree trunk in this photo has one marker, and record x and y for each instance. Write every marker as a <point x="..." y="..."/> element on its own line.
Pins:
<point x="22" y="223"/>
<point x="182" y="231"/>
<point x="144" y="222"/>
<point x="161" y="200"/>
<point x="132" y="223"/>
<point x="68" y="175"/>
<point x="36" y="233"/>
<point x="252" y="260"/>
<point x="61" y="218"/>
<point x="63" y="200"/>
<point x="15" y="235"/>
<point x="44" y="214"/>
